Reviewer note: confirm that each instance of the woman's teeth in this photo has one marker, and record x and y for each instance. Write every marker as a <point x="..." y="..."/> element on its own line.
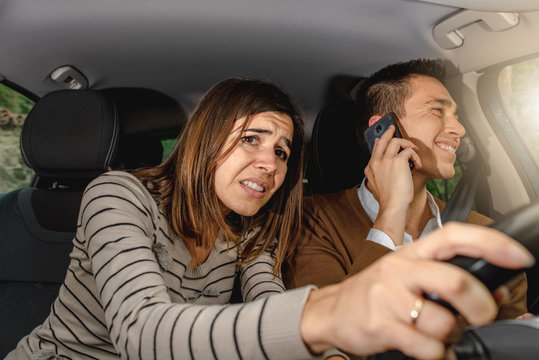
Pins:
<point x="252" y="185"/>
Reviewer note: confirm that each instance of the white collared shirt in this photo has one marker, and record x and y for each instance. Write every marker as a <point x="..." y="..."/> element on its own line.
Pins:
<point x="371" y="206"/>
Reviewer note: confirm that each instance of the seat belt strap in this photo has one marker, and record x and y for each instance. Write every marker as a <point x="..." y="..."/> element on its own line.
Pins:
<point x="460" y="203"/>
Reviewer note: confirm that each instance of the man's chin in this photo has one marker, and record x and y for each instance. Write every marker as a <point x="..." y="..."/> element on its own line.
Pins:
<point x="446" y="175"/>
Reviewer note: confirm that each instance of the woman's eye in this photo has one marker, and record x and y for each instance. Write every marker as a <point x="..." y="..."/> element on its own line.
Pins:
<point x="281" y="154"/>
<point x="250" y="140"/>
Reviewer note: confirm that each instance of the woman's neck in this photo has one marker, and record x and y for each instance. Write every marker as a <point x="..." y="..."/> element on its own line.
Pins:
<point x="199" y="254"/>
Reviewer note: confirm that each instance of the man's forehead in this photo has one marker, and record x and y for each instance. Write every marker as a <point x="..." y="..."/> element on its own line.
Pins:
<point x="433" y="91"/>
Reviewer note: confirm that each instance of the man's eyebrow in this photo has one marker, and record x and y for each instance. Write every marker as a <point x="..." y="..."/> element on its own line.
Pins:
<point x="444" y="102"/>
<point x="269" y="132"/>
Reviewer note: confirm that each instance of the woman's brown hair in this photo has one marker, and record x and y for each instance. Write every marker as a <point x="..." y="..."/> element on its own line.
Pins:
<point x="183" y="185"/>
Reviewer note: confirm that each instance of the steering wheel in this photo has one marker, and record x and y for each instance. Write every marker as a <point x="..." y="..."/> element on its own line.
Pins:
<point x="501" y="339"/>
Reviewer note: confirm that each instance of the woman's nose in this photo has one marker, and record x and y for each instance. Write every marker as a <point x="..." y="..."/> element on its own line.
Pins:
<point x="266" y="160"/>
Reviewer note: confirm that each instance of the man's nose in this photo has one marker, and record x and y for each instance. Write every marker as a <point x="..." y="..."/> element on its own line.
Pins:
<point x="454" y="127"/>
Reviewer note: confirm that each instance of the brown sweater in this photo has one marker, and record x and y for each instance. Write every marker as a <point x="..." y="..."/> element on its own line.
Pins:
<point x="335" y="246"/>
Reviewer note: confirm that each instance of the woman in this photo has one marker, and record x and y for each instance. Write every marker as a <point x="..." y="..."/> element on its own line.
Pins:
<point x="182" y="232"/>
<point x="157" y="252"/>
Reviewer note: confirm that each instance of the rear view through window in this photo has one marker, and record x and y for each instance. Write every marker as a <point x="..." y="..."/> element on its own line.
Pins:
<point x="13" y="110"/>
<point x="519" y="89"/>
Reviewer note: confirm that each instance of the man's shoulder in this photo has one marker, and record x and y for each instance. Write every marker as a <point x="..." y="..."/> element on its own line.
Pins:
<point x="337" y="200"/>
<point x="341" y="209"/>
<point x="476" y="218"/>
<point x="473" y="217"/>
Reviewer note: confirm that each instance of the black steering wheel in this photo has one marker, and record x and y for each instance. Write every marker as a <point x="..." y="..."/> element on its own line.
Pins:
<point x="501" y="339"/>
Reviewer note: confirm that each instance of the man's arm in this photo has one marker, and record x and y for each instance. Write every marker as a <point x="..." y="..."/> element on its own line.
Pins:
<point x="516" y="305"/>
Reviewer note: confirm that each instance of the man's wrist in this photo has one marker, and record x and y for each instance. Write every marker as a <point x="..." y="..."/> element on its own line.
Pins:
<point x="392" y="222"/>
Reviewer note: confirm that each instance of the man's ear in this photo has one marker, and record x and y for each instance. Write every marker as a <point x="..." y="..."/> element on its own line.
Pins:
<point x="374" y="119"/>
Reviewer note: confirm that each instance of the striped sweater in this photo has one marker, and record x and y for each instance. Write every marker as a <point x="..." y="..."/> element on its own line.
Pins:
<point x="129" y="293"/>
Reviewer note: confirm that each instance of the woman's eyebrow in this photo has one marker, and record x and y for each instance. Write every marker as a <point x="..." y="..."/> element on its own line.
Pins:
<point x="269" y="132"/>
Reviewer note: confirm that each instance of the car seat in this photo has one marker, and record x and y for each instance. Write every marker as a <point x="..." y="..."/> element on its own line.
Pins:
<point x="335" y="159"/>
<point x="69" y="138"/>
<point x="146" y="117"/>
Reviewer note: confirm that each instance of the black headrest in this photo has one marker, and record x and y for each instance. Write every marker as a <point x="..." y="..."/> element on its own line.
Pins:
<point x="145" y="110"/>
<point x="71" y="133"/>
<point x="138" y="151"/>
<point x="336" y="160"/>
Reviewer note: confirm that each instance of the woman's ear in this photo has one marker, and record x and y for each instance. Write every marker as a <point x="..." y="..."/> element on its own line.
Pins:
<point x="374" y="119"/>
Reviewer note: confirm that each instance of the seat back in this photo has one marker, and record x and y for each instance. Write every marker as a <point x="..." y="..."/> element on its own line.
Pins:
<point x="146" y="116"/>
<point x="335" y="160"/>
<point x="69" y="137"/>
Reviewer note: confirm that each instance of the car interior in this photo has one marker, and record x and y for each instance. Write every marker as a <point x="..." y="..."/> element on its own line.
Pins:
<point x="86" y="87"/>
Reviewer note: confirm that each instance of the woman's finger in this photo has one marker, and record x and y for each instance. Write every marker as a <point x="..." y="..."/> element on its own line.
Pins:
<point x="421" y="315"/>
<point x="413" y="343"/>
<point x="473" y="241"/>
<point x="463" y="291"/>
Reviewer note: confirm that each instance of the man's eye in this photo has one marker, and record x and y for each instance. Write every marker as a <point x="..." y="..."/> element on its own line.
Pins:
<point x="440" y="111"/>
<point x="281" y="154"/>
<point x="250" y="140"/>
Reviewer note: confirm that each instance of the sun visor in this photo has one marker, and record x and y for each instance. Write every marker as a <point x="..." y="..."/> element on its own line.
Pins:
<point x="447" y="32"/>
<point x="490" y="5"/>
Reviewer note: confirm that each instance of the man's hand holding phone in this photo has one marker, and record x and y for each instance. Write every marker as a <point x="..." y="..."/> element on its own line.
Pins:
<point x="379" y="127"/>
<point x="389" y="179"/>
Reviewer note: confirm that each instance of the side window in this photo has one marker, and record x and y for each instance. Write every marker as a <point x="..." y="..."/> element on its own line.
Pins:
<point x="519" y="90"/>
<point x="168" y="146"/>
<point x="443" y="188"/>
<point x="13" y="110"/>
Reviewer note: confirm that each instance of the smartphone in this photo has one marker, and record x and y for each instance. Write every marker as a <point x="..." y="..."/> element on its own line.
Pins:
<point x="379" y="128"/>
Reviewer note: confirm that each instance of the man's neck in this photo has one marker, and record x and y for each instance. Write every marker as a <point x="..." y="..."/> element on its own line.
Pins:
<point x="418" y="212"/>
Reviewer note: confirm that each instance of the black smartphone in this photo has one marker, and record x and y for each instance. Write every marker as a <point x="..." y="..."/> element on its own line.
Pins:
<point x="379" y="128"/>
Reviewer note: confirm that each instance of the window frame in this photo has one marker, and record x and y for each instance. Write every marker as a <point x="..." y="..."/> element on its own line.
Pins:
<point x="30" y="96"/>
<point x="24" y="92"/>
<point x="499" y="118"/>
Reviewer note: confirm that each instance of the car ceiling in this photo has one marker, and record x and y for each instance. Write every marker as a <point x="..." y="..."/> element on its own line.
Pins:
<point x="183" y="47"/>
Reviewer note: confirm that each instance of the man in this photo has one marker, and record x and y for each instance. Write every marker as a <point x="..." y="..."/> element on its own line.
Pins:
<point x="348" y="230"/>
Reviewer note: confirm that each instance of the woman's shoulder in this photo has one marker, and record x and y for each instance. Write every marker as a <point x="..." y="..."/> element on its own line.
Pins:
<point x="120" y="184"/>
<point x="111" y="180"/>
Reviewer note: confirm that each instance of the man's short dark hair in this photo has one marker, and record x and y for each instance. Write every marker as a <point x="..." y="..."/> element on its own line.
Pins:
<point x="387" y="89"/>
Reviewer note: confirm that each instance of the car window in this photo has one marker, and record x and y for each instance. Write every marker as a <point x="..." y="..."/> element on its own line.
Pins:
<point x="13" y="110"/>
<point x="443" y="188"/>
<point x="168" y="146"/>
<point x="519" y="90"/>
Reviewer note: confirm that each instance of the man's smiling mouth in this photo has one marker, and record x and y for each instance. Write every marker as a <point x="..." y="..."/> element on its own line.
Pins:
<point x="447" y="148"/>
